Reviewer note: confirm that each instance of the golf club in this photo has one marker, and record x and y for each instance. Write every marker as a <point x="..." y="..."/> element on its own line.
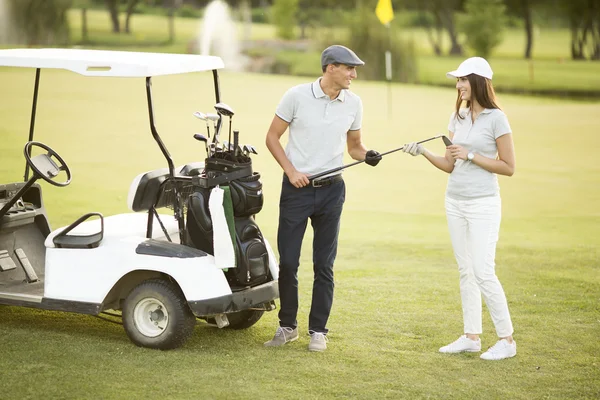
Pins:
<point x="310" y="178"/>
<point x="202" y="138"/>
<point x="203" y="117"/>
<point x="227" y="111"/>
<point x="214" y="118"/>
<point x="236" y="142"/>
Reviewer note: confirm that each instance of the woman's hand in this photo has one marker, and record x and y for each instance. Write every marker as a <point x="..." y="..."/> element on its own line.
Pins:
<point x="458" y="152"/>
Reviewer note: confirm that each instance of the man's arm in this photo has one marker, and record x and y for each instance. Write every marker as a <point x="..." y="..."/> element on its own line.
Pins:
<point x="356" y="148"/>
<point x="276" y="130"/>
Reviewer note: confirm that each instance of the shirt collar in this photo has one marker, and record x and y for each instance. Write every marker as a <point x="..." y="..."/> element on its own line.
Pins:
<point x="319" y="93"/>
<point x="484" y="111"/>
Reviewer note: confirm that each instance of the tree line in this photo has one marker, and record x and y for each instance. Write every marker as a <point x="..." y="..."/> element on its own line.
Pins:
<point x="481" y="21"/>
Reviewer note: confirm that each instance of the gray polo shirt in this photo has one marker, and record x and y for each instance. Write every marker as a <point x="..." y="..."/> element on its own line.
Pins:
<point x="318" y="126"/>
<point x="467" y="180"/>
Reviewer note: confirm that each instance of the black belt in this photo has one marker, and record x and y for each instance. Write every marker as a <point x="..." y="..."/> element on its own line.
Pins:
<point x="317" y="183"/>
<point x="326" y="181"/>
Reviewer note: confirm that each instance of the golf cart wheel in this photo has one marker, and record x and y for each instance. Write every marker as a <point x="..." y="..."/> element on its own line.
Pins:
<point x="156" y="315"/>
<point x="244" y="319"/>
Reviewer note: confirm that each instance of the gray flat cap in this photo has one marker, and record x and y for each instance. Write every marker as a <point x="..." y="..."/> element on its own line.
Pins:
<point x="337" y="54"/>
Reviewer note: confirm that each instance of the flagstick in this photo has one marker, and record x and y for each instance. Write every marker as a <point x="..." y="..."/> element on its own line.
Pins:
<point x="388" y="71"/>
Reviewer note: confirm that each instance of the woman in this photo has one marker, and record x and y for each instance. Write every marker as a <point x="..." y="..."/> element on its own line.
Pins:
<point x="482" y="147"/>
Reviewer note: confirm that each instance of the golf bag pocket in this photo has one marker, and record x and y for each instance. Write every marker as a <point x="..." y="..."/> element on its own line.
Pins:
<point x="247" y="195"/>
<point x="199" y="224"/>
<point x="251" y="254"/>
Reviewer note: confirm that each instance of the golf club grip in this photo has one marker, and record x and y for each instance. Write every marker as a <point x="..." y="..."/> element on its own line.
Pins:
<point x="320" y="174"/>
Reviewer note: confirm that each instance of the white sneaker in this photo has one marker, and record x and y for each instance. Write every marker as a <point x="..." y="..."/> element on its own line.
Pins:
<point x="318" y="341"/>
<point x="462" y="344"/>
<point x="282" y="336"/>
<point x="501" y="350"/>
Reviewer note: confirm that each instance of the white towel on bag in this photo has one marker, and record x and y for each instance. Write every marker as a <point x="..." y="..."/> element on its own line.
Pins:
<point x="223" y="246"/>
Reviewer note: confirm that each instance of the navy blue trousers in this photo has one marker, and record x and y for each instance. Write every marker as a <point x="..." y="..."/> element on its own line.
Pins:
<point x="323" y="206"/>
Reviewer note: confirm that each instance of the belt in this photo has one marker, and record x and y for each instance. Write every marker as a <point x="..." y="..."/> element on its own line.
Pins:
<point x="326" y="181"/>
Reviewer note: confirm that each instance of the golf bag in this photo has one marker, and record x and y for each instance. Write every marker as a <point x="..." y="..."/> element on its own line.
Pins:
<point x="251" y="254"/>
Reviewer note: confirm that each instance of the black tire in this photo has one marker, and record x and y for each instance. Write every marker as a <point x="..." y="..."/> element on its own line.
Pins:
<point x="243" y="319"/>
<point x="156" y="315"/>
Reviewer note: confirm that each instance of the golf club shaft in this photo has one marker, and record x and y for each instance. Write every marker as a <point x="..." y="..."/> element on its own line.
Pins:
<point x="362" y="161"/>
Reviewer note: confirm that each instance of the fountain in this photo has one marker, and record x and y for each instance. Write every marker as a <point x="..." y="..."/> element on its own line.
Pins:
<point x="218" y="36"/>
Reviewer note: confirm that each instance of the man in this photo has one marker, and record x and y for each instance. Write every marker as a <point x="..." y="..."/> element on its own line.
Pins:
<point x="321" y="116"/>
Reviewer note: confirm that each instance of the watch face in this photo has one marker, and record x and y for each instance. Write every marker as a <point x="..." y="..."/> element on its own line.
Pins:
<point x="470" y="156"/>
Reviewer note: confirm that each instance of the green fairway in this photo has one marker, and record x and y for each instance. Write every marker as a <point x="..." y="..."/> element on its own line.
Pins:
<point x="397" y="298"/>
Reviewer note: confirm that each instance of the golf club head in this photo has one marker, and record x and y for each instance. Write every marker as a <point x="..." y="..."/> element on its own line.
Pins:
<point x="200" y="115"/>
<point x="212" y="117"/>
<point x="200" y="137"/>
<point x="447" y="141"/>
<point x="224" y="109"/>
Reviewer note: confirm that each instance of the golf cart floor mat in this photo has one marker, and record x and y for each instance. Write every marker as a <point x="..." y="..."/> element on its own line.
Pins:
<point x="29" y="272"/>
<point x="6" y="263"/>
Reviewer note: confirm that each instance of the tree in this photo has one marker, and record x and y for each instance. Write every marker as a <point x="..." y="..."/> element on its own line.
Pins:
<point x="40" y="22"/>
<point x="113" y="10"/>
<point x="522" y="9"/>
<point x="128" y="12"/>
<point x="370" y="39"/>
<point x="284" y="17"/>
<point x="442" y="12"/>
<point x="584" y="22"/>
<point x="484" y="25"/>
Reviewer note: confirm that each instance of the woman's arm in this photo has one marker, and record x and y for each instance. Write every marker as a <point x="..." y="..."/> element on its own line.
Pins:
<point x="444" y="163"/>
<point x="503" y="165"/>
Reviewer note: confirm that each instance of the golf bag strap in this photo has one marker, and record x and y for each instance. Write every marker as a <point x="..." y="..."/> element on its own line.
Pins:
<point x="226" y="177"/>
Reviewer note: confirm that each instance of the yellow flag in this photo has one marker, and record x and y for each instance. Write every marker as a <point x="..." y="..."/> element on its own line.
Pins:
<point x="384" y="11"/>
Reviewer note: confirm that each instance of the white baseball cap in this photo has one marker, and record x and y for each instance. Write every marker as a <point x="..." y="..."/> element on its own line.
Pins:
<point x="474" y="65"/>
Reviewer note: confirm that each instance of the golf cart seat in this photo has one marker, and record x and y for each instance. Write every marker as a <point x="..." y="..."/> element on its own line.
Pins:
<point x="152" y="189"/>
<point x="115" y="226"/>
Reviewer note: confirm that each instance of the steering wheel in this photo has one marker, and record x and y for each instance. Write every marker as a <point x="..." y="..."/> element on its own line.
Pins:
<point x="44" y="166"/>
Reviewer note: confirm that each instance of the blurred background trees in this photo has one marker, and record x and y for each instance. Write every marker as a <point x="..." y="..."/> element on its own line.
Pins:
<point x="450" y="25"/>
<point x="35" y="22"/>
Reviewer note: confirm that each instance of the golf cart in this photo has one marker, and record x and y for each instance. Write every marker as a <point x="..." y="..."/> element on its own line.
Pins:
<point x="206" y="259"/>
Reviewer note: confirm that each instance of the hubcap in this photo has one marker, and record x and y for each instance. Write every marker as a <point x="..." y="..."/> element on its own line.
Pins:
<point x="151" y="317"/>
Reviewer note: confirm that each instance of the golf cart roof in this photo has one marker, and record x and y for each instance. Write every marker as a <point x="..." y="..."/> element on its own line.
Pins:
<point x="109" y="63"/>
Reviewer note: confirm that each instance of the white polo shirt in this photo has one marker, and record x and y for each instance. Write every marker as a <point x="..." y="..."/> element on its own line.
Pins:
<point x="467" y="180"/>
<point x="318" y="126"/>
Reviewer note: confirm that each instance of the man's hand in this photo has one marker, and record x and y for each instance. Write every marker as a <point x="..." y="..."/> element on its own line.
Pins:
<point x="298" y="179"/>
<point x="372" y="158"/>
<point x="414" y="149"/>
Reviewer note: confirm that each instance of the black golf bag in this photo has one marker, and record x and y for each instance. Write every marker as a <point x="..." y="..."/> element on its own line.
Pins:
<point x="245" y="187"/>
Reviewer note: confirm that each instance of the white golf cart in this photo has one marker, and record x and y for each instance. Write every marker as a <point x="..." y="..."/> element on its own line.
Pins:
<point x="161" y="271"/>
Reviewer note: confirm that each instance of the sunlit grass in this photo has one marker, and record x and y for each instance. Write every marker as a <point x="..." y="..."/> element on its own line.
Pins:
<point x="397" y="296"/>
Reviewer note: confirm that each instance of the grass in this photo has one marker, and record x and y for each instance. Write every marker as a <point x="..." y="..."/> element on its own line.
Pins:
<point x="397" y="297"/>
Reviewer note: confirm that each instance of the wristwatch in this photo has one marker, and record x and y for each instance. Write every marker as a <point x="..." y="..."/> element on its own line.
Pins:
<point x="470" y="156"/>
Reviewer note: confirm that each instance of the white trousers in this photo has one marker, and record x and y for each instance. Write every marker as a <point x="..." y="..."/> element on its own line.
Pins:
<point x="474" y="226"/>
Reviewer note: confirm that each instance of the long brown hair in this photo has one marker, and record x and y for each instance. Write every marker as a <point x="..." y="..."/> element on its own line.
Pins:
<point x="482" y="90"/>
